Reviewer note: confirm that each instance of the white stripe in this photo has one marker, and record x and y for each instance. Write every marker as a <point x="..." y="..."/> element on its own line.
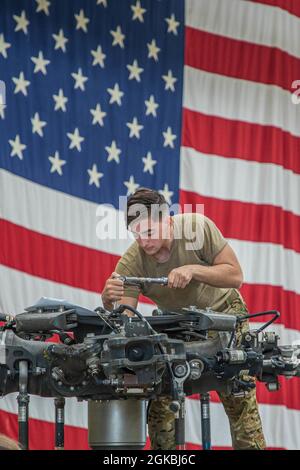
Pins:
<point x="246" y="21"/>
<point x="20" y="290"/>
<point x="280" y="424"/>
<point x="249" y="181"/>
<point x="57" y="214"/>
<point x="257" y="103"/>
<point x="267" y="263"/>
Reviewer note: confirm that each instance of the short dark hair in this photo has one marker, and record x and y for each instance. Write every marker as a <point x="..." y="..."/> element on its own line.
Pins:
<point x="147" y="197"/>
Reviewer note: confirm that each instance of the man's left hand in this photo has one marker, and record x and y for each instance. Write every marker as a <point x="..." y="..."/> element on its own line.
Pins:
<point x="180" y="277"/>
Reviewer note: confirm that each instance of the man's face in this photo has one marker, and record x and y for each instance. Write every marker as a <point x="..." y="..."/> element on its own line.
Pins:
<point x="150" y="234"/>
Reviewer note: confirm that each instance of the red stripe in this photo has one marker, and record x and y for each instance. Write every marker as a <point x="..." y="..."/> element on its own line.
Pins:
<point x="249" y="221"/>
<point x="56" y="260"/>
<point x="67" y="263"/>
<point x="240" y="59"/>
<point x="236" y="139"/>
<point x="292" y="6"/>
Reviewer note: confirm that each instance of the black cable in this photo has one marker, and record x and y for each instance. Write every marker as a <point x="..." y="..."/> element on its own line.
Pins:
<point x="275" y="314"/>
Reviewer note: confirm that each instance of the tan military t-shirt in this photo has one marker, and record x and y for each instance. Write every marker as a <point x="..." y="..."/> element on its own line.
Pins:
<point x="186" y="249"/>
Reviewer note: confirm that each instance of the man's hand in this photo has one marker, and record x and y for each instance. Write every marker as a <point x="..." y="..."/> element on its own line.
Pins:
<point x="113" y="291"/>
<point x="180" y="277"/>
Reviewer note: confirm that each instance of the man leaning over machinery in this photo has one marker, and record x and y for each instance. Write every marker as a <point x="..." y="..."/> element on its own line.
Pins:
<point x="204" y="275"/>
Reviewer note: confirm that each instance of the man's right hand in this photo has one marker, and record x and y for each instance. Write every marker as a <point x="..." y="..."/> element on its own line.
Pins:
<point x="113" y="291"/>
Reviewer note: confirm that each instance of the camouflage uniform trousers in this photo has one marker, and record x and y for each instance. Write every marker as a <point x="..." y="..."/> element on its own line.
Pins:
<point x="245" y="423"/>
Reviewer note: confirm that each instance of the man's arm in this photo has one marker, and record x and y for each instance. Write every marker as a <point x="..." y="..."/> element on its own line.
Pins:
<point x="114" y="292"/>
<point x="224" y="272"/>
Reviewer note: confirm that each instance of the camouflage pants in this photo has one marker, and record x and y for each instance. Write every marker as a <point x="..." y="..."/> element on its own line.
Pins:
<point x="245" y="423"/>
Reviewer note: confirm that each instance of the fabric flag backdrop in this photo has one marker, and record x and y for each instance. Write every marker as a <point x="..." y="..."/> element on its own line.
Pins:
<point x="190" y="98"/>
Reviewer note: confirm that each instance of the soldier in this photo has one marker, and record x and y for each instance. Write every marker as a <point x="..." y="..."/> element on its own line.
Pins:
<point x="202" y="270"/>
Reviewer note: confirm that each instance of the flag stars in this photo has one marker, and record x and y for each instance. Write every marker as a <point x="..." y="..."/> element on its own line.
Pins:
<point x="17" y="147"/>
<point x="151" y="106"/>
<point x="172" y="24"/>
<point x="60" y="40"/>
<point x="131" y="186"/>
<point x="21" y="84"/>
<point x="99" y="57"/>
<point x="135" y="128"/>
<point x="82" y="21"/>
<point x="115" y="95"/>
<point x="102" y="2"/>
<point x="170" y="80"/>
<point x="98" y="115"/>
<point x="149" y="163"/>
<point x="3" y="46"/>
<point x="40" y="63"/>
<point x="169" y="138"/>
<point x="166" y="193"/>
<point x="37" y="125"/>
<point x="56" y="164"/>
<point x="95" y="176"/>
<point x="60" y="101"/>
<point x="118" y="37"/>
<point x="79" y="80"/>
<point x="75" y="140"/>
<point x="138" y="12"/>
<point x="153" y="50"/>
<point x="22" y="22"/>
<point x="2" y="108"/>
<point x="43" y="5"/>
<point x="113" y="152"/>
<point x="135" y="71"/>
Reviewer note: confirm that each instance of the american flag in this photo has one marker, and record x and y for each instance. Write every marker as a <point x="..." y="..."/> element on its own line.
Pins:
<point x="192" y="98"/>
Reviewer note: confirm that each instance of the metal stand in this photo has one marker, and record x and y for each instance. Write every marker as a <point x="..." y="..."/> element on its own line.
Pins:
<point x="205" y="421"/>
<point x="180" y="426"/>
<point x="59" y="423"/>
<point x="23" y="404"/>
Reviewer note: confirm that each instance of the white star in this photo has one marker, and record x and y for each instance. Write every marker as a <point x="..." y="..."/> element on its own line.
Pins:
<point x="17" y="147"/>
<point x="149" y="163"/>
<point x="43" y="5"/>
<point x="172" y="24"/>
<point x="113" y="152"/>
<point x="60" y="40"/>
<point x="82" y="21"/>
<point x="40" y="63"/>
<point x="118" y="37"/>
<point x="170" y="80"/>
<point x="135" y="71"/>
<point x="153" y="50"/>
<point x="60" y="101"/>
<point x="169" y="138"/>
<point x="102" y="2"/>
<point x="151" y="106"/>
<point x="116" y="95"/>
<point x="22" y="22"/>
<point x="135" y="128"/>
<point x="166" y="193"/>
<point x="2" y="108"/>
<point x="138" y="12"/>
<point x="98" y="115"/>
<point x="57" y="164"/>
<point x="21" y="84"/>
<point x="37" y="125"/>
<point x="79" y="79"/>
<point x="99" y="57"/>
<point x="95" y="176"/>
<point x="3" y="46"/>
<point x="75" y="140"/>
<point x="131" y="186"/>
